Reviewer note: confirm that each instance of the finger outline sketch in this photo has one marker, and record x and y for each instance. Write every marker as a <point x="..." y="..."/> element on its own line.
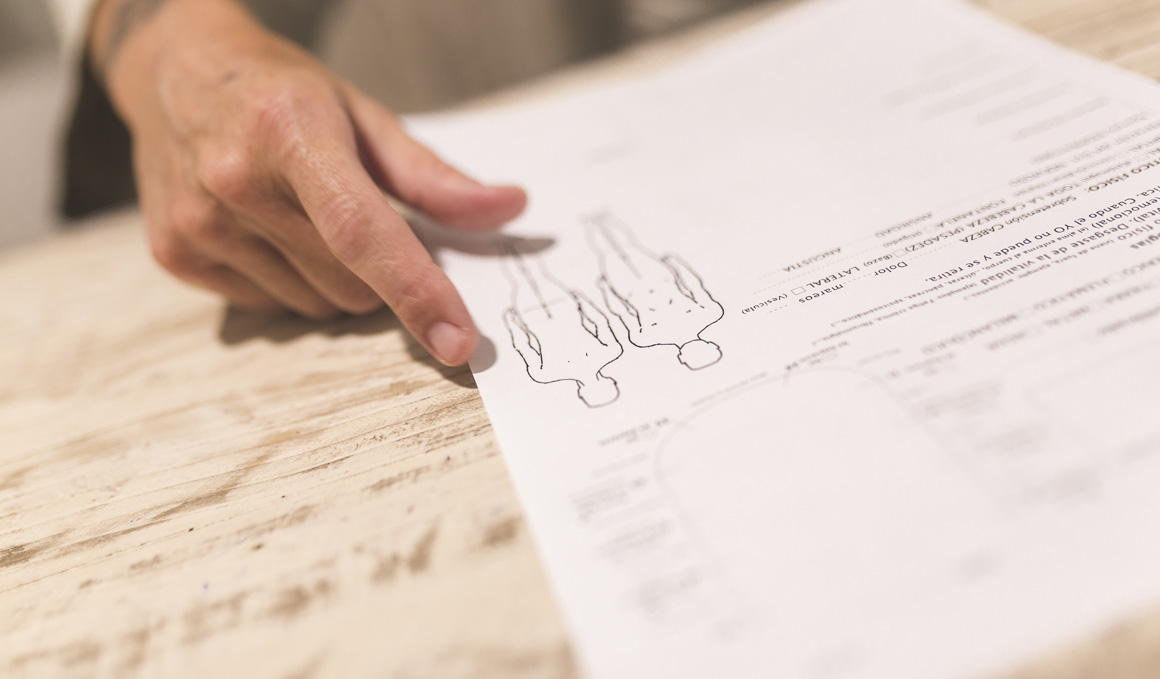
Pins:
<point x="660" y="300"/>
<point x="560" y="334"/>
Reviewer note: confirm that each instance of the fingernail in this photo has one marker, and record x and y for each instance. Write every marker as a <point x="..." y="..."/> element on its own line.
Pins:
<point x="446" y="342"/>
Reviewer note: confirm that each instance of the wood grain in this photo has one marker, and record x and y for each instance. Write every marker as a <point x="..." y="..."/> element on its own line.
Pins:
<point x="188" y="491"/>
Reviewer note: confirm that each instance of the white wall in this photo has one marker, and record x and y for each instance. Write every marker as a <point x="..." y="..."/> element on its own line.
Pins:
<point x="30" y="95"/>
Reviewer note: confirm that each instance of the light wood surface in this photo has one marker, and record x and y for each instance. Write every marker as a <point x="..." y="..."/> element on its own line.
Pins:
<point x="187" y="491"/>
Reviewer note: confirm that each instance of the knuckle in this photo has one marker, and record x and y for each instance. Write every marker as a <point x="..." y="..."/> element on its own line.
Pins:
<point x="231" y="175"/>
<point x="169" y="253"/>
<point x="359" y="299"/>
<point x="208" y="231"/>
<point x="275" y="127"/>
<point x="346" y="225"/>
<point x="198" y="221"/>
<point x="281" y="116"/>
<point x="419" y="294"/>
<point x="275" y="114"/>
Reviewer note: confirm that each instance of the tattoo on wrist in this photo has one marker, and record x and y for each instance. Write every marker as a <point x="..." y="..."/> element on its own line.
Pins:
<point x="126" y="19"/>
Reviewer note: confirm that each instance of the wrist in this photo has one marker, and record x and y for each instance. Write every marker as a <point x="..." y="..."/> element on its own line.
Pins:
<point x="130" y="41"/>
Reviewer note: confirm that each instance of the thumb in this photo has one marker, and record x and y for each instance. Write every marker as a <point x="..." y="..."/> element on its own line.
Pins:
<point x="413" y="173"/>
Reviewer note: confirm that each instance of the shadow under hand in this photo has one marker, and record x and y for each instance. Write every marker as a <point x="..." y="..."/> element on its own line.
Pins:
<point x="460" y="375"/>
<point x="242" y="325"/>
<point x="485" y="355"/>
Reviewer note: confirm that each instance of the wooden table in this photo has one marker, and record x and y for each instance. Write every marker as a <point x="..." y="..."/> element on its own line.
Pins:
<point x="191" y="491"/>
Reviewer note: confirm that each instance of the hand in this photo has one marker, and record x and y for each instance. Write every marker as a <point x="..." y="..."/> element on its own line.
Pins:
<point x="261" y="174"/>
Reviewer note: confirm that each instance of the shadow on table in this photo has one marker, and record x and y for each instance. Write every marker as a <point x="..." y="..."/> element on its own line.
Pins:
<point x="460" y="375"/>
<point x="242" y="325"/>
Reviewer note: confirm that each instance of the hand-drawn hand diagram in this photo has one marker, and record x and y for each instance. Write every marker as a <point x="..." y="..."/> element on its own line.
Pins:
<point x="660" y="300"/>
<point x="560" y="333"/>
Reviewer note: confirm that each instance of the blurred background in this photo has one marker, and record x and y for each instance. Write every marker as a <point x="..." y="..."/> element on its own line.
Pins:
<point x="414" y="55"/>
<point x="31" y="96"/>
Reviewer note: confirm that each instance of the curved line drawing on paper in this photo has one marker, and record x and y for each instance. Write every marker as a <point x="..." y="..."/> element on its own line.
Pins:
<point x="559" y="333"/>
<point x="659" y="300"/>
<point x="817" y="493"/>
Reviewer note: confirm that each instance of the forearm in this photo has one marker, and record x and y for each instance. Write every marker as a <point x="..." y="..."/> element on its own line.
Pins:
<point x="129" y="40"/>
<point x="112" y="23"/>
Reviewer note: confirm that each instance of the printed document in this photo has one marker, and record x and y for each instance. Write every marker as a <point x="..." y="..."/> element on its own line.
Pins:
<point x="831" y="351"/>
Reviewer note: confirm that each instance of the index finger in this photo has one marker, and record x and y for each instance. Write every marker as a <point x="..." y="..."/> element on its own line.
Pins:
<point x="369" y="237"/>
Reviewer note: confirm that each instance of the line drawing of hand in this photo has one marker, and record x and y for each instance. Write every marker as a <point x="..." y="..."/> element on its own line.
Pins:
<point x="660" y="300"/>
<point x="559" y="333"/>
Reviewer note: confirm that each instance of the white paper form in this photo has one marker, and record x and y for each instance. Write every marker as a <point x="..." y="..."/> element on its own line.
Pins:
<point x="830" y="352"/>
